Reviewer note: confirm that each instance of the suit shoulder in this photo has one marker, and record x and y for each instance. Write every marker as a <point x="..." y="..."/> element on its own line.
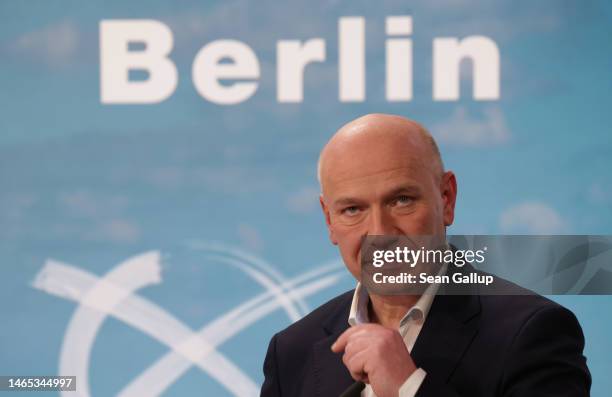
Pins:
<point x="519" y="305"/>
<point x="315" y="320"/>
<point x="517" y="299"/>
<point x="505" y="295"/>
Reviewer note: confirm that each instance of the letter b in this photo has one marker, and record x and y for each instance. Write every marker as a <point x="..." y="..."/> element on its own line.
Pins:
<point x="116" y="61"/>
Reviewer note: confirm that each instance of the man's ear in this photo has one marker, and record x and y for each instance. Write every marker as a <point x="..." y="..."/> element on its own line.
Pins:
<point x="448" y="188"/>
<point x="327" y="220"/>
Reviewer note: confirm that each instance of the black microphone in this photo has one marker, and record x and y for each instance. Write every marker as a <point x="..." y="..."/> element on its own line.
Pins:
<point x="354" y="390"/>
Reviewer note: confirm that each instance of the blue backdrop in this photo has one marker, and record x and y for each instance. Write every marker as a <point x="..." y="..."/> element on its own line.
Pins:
<point x="142" y="246"/>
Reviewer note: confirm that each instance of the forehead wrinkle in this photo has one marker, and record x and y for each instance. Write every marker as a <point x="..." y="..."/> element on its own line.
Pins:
<point x="388" y="174"/>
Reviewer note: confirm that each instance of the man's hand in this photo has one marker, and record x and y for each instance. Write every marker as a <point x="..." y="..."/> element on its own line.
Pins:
<point x="376" y="355"/>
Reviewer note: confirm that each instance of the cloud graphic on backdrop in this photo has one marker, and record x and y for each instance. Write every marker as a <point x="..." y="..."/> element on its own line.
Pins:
<point x="55" y="44"/>
<point x="532" y="217"/>
<point x="462" y="129"/>
<point x="115" y="294"/>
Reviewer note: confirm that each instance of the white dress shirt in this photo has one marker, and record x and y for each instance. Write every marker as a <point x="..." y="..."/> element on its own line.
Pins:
<point x="410" y="327"/>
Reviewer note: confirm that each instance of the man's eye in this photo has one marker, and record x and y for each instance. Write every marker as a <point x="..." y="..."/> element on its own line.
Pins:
<point x="352" y="210"/>
<point x="403" y="200"/>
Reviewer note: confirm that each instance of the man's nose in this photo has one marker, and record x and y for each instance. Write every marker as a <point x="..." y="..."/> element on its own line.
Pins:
<point x="382" y="224"/>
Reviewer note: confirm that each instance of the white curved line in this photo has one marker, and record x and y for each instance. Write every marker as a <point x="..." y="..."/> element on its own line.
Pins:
<point x="96" y="297"/>
<point x="250" y="259"/>
<point x="267" y="283"/>
<point x="172" y="366"/>
<point x="147" y="317"/>
<point x="58" y="279"/>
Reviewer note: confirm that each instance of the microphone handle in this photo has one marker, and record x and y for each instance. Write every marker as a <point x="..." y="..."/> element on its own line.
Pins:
<point x="354" y="390"/>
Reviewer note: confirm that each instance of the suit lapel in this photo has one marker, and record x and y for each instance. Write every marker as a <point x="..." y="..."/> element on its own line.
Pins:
<point x="331" y="376"/>
<point x="450" y="327"/>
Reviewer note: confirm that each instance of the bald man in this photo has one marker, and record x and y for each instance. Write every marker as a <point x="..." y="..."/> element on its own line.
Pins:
<point x="383" y="175"/>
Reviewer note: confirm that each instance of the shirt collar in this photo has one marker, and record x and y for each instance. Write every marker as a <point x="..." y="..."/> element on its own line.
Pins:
<point x="359" y="305"/>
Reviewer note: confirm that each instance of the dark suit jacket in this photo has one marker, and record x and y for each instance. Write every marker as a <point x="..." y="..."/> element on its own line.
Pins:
<point x="470" y="345"/>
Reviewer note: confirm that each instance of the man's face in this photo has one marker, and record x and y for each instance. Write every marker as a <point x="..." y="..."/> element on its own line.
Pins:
<point x="378" y="188"/>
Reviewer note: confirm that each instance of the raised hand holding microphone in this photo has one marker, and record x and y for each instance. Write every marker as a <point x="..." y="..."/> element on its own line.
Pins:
<point x="376" y="355"/>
